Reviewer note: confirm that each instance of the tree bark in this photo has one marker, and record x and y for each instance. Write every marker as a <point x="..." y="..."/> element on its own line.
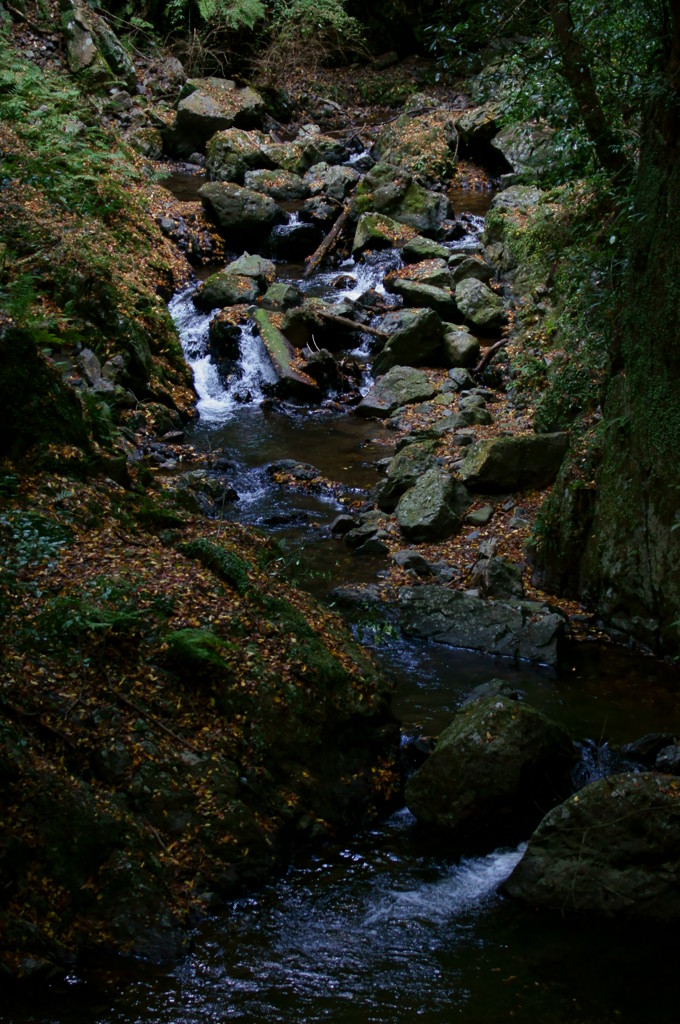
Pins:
<point x="576" y="70"/>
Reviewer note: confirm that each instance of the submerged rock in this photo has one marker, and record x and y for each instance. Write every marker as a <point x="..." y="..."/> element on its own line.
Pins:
<point x="496" y="769"/>
<point x="523" y="630"/>
<point x="611" y="849"/>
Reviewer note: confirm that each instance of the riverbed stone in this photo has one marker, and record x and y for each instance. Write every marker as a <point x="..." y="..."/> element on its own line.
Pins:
<point x="284" y="186"/>
<point x="522" y="630"/>
<point x="226" y="289"/>
<point x="480" y="307"/>
<point x="377" y="231"/>
<point x="240" y="211"/>
<point x="403" y="471"/>
<point x="282" y="295"/>
<point x="514" y="462"/>
<point x="416" y="340"/>
<point x="432" y="508"/>
<point x="391" y="191"/>
<point x="462" y="266"/>
<point x="420" y="248"/>
<point x="212" y="104"/>
<point x="331" y="181"/>
<point x="425" y="296"/>
<point x="460" y="347"/>
<point x="401" y="385"/>
<point x="495" y="771"/>
<point x="611" y="849"/>
<point x="230" y="153"/>
<point x="434" y="271"/>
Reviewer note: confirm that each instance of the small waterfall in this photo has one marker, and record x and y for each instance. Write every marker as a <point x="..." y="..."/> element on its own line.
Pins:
<point x="219" y="398"/>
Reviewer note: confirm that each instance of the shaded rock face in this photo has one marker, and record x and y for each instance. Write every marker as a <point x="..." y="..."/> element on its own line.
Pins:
<point x="523" y="630"/>
<point x="510" y="463"/>
<point x="432" y="508"/>
<point x="611" y="849"/>
<point x="399" y="386"/>
<point x="416" y="341"/>
<point x="496" y="770"/>
<point x="212" y="105"/>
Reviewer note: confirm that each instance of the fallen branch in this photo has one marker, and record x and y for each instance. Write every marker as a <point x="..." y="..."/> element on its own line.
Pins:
<point x="329" y="241"/>
<point x="351" y="325"/>
<point x="489" y="354"/>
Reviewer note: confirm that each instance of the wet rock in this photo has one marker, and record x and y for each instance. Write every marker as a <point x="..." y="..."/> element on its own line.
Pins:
<point x="403" y="471"/>
<point x="611" y="849"/>
<point x="668" y="759"/>
<point x="496" y="769"/>
<point x="225" y="335"/>
<point x="416" y="340"/>
<point x="309" y="325"/>
<point x="377" y="231"/>
<point x="480" y="307"/>
<point x="493" y="688"/>
<point x="281" y="295"/>
<point x="343" y="524"/>
<point x="432" y="508"/>
<point x="407" y="558"/>
<point x="231" y="153"/>
<point x="260" y="269"/>
<point x="294" y="241"/>
<point x="433" y="271"/>
<point x="284" y="186"/>
<point x="522" y="630"/>
<point x="239" y="211"/>
<point x="319" y="211"/>
<point x="225" y="289"/>
<point x="514" y="462"/>
<point x="461" y="349"/>
<point x="212" y="105"/>
<point x="401" y="385"/>
<point x="419" y="248"/>
<point x="388" y="190"/>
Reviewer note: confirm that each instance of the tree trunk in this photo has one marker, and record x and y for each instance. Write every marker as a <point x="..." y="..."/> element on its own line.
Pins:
<point x="576" y="70"/>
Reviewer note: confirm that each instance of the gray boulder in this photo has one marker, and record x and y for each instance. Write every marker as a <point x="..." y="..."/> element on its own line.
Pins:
<point x="403" y="471"/>
<point x="377" y="231"/>
<point x="480" y="307"/>
<point x="283" y="186"/>
<point x="226" y="289"/>
<point x="401" y="385"/>
<point x="528" y="149"/>
<point x="497" y="768"/>
<point x="460" y="347"/>
<point x="211" y="105"/>
<point x="416" y="340"/>
<point x="611" y="849"/>
<point x="514" y="462"/>
<point x="239" y="210"/>
<point x="423" y="295"/>
<point x="230" y="153"/>
<point x="432" y="508"/>
<point x="523" y="630"/>
<point x="419" y="248"/>
<point x="463" y="266"/>
<point x="333" y="182"/>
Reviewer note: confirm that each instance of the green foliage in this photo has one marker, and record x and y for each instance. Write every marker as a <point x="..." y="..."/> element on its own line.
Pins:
<point x="225" y="564"/>
<point x="107" y="606"/>
<point x="317" y="663"/>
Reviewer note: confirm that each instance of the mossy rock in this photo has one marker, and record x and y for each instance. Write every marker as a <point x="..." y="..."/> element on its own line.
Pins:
<point x="230" y="153"/>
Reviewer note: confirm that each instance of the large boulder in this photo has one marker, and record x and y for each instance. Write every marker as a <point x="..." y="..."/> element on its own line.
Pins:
<point x="611" y="849"/>
<point x="433" y="507"/>
<point x="528" y="149"/>
<point x="401" y="385"/>
<point x="480" y="307"/>
<point x="417" y="340"/>
<point x="523" y="630"/>
<point x="390" y="190"/>
<point x="211" y="105"/>
<point x="226" y="289"/>
<point x="239" y="211"/>
<point x="377" y="231"/>
<point x="496" y="770"/>
<point x="514" y="462"/>
<point x="230" y="153"/>
<point x="460" y="347"/>
<point x="422" y="140"/>
<point x="331" y="181"/>
<point x="281" y="185"/>
<point x="92" y="47"/>
<point x="404" y="470"/>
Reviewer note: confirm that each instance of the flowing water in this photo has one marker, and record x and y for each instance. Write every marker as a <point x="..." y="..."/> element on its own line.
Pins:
<point x="387" y="928"/>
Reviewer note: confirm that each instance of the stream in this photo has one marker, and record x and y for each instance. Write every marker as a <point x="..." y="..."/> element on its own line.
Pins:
<point x="387" y="928"/>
